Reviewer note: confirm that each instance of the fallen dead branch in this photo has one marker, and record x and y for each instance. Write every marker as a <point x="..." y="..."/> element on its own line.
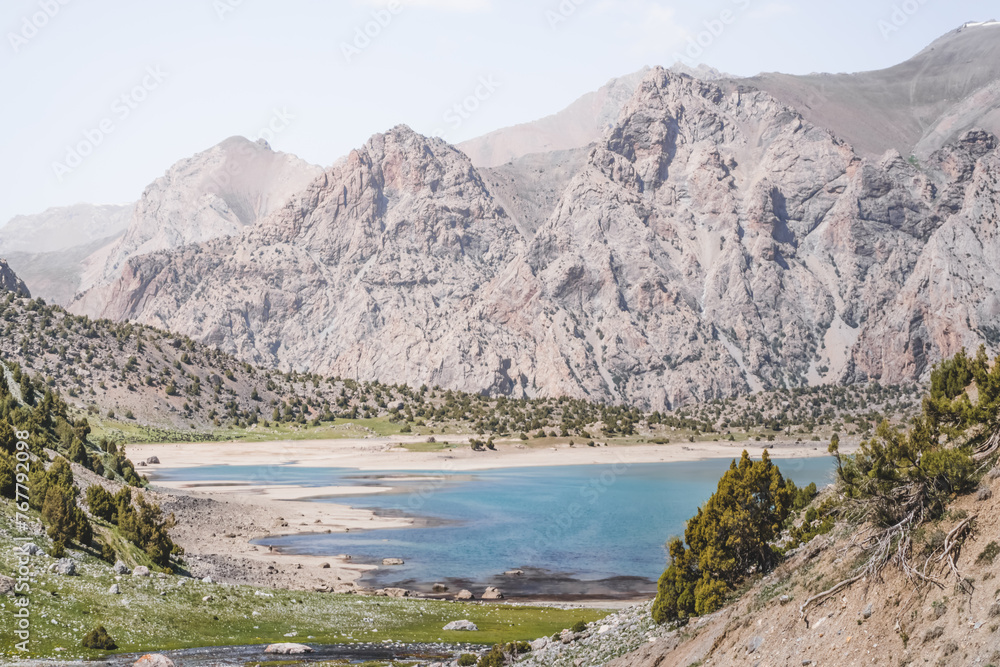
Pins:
<point x="951" y="541"/>
<point x="821" y="597"/>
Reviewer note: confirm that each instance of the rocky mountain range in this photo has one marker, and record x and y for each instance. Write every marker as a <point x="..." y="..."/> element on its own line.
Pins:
<point x="721" y="236"/>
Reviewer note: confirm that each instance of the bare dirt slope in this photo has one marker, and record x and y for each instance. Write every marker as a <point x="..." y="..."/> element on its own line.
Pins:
<point x="891" y="621"/>
<point x="915" y="107"/>
<point x="578" y="125"/>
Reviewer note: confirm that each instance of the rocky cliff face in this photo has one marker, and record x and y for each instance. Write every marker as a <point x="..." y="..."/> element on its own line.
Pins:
<point x="364" y="274"/>
<point x="950" y="300"/>
<point x="9" y="282"/>
<point x="712" y="243"/>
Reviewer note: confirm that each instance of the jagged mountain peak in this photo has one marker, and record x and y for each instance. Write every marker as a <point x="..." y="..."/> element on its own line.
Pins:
<point x="9" y="282"/>
<point x="214" y="193"/>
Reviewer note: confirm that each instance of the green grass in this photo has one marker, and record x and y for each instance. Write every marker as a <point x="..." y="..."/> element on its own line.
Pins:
<point x="132" y="433"/>
<point x="431" y="446"/>
<point x="64" y="609"/>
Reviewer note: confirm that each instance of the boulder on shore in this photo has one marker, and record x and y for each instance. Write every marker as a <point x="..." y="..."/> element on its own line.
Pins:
<point x="397" y="592"/>
<point x="288" y="649"/>
<point x="493" y="593"/>
<point x="539" y="643"/>
<point x="465" y="595"/>
<point x="153" y="660"/>
<point x="464" y="625"/>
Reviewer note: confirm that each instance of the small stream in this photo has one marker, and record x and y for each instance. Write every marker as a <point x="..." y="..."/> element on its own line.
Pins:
<point x="230" y="656"/>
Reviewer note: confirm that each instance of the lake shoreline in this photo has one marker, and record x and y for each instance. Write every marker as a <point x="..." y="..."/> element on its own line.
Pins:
<point x="243" y="517"/>
<point x="390" y="454"/>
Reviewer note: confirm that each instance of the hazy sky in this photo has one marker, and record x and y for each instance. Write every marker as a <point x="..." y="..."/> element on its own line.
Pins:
<point x="132" y="87"/>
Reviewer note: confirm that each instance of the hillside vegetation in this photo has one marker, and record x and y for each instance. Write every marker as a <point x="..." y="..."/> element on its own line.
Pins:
<point x="138" y="383"/>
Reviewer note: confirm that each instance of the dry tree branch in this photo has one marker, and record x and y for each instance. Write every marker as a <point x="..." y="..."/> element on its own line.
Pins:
<point x="911" y="572"/>
<point x="991" y="447"/>
<point x="950" y="542"/>
<point x="820" y="597"/>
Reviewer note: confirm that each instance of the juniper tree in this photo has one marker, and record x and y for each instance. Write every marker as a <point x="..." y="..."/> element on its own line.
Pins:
<point x="730" y="537"/>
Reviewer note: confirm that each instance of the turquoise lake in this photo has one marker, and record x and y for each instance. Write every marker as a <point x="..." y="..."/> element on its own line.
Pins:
<point x="575" y="531"/>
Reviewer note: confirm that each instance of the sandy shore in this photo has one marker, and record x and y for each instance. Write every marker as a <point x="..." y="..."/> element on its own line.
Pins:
<point x="217" y="528"/>
<point x="388" y="454"/>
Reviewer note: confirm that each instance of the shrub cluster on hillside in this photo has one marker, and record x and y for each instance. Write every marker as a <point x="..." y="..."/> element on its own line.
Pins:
<point x="28" y="427"/>
<point x="142" y="374"/>
<point x="899" y="479"/>
<point x="731" y="536"/>
<point x="141" y="522"/>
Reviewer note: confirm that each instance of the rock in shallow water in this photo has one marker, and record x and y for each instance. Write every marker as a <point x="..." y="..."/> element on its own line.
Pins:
<point x="153" y="660"/>
<point x="288" y="649"/>
<point x="493" y="593"/>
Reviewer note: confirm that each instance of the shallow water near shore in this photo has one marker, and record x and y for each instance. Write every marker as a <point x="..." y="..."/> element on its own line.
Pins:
<point x="575" y="532"/>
